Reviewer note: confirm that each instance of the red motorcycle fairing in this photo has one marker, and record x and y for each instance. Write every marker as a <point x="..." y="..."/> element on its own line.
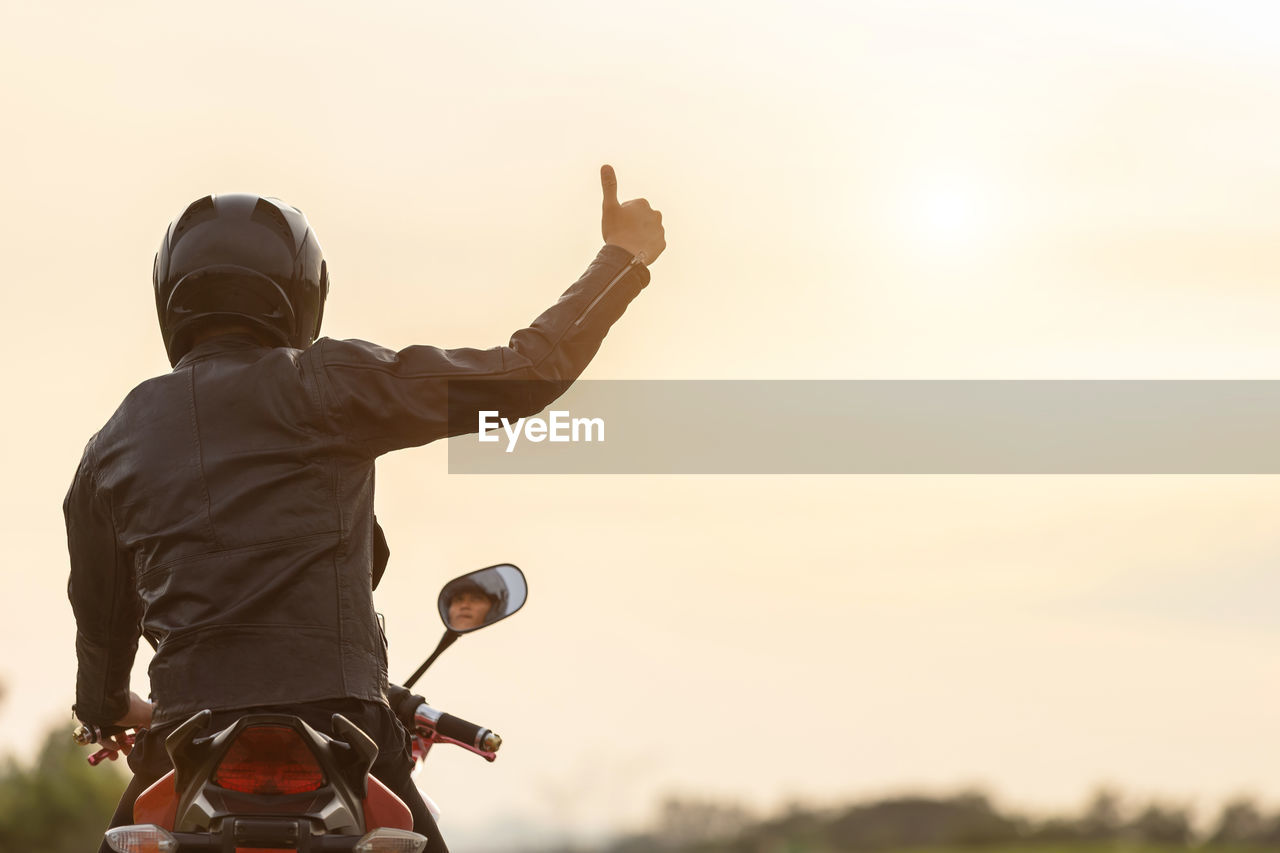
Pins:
<point x="336" y="796"/>
<point x="158" y="804"/>
<point x="382" y="808"/>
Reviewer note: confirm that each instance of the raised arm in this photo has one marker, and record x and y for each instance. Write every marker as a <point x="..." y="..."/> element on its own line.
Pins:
<point x="389" y="399"/>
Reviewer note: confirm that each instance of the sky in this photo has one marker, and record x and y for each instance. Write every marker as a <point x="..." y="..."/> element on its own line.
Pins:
<point x="866" y="190"/>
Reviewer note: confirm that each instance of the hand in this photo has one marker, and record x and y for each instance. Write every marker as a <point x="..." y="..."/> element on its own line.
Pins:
<point x="632" y="225"/>
<point x="139" y="714"/>
<point x="118" y="743"/>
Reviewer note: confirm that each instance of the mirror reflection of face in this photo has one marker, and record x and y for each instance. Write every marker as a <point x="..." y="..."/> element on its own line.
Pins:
<point x="468" y="610"/>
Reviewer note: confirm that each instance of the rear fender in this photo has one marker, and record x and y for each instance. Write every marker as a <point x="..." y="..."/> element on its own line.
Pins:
<point x="337" y="807"/>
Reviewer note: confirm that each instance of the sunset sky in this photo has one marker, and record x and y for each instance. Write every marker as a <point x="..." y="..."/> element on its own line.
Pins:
<point x="865" y="190"/>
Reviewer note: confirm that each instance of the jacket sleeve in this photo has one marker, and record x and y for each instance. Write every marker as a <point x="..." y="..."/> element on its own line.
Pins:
<point x="388" y="400"/>
<point x="105" y="602"/>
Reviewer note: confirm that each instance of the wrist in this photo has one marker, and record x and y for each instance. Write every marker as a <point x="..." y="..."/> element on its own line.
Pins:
<point x="633" y="252"/>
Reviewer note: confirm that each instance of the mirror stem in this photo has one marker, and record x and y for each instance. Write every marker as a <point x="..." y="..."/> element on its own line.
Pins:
<point x="445" y="642"/>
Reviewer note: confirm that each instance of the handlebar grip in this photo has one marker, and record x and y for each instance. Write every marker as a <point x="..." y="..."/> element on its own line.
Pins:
<point x="86" y="734"/>
<point x="469" y="733"/>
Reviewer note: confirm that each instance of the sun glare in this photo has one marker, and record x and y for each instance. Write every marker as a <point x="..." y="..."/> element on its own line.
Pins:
<point x="947" y="214"/>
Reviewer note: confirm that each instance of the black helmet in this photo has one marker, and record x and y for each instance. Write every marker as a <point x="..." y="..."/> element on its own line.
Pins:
<point x="244" y="258"/>
<point x="492" y="589"/>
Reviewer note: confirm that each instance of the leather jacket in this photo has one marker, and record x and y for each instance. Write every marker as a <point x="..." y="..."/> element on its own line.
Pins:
<point x="226" y="509"/>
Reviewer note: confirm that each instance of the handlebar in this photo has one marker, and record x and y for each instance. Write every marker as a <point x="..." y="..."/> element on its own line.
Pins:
<point x="85" y="734"/>
<point x="431" y="726"/>
<point x="468" y="734"/>
<point x="461" y="730"/>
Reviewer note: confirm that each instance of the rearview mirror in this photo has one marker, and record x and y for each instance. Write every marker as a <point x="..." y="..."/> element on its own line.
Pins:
<point x="482" y="597"/>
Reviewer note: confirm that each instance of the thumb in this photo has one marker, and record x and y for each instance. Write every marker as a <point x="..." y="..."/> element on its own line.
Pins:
<point x="609" y="183"/>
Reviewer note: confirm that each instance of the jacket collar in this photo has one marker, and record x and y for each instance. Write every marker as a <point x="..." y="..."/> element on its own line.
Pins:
<point x="231" y="342"/>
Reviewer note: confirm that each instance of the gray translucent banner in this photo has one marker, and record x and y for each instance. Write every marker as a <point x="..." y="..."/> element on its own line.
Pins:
<point x="884" y="427"/>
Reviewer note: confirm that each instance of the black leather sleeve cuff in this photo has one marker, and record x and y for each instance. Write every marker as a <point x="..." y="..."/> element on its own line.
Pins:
<point x="620" y="256"/>
<point x="102" y="681"/>
<point x="403" y="702"/>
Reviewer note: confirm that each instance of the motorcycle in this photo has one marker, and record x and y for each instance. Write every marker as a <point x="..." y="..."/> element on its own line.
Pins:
<point x="271" y="783"/>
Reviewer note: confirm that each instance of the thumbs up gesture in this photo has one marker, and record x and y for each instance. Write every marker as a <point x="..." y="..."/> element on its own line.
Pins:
<point x="631" y="225"/>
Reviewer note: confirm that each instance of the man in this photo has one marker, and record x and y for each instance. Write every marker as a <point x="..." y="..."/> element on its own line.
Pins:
<point x="469" y="605"/>
<point x="225" y="511"/>
<point x="469" y="610"/>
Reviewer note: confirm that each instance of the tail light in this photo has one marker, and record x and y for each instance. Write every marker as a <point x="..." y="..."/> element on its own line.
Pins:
<point x="141" y="838"/>
<point x="269" y="760"/>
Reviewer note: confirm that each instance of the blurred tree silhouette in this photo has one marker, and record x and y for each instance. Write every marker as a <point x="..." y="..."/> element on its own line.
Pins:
<point x="59" y="804"/>
<point x="686" y="822"/>
<point x="1103" y="817"/>
<point x="1161" y="825"/>
<point x="1242" y="823"/>
<point x="966" y="820"/>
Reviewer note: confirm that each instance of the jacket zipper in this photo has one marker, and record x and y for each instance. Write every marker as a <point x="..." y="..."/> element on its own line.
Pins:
<point x="607" y="288"/>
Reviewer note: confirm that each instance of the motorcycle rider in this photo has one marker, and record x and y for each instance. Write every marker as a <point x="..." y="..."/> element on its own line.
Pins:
<point x="225" y="511"/>
<point x="470" y="605"/>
